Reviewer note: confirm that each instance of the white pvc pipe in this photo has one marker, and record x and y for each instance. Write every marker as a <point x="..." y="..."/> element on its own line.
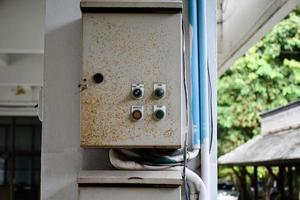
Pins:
<point x="205" y="170"/>
<point x="204" y="104"/>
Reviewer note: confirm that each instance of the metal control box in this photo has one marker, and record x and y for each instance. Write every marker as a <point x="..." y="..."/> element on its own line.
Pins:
<point x="129" y="185"/>
<point x="132" y="78"/>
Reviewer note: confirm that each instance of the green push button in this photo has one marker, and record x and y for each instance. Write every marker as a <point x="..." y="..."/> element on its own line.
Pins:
<point x="159" y="92"/>
<point x="159" y="114"/>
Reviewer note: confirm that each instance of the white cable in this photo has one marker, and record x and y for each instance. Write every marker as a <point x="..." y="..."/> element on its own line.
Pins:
<point x="196" y="184"/>
<point x="205" y="163"/>
<point x="178" y="158"/>
<point x="190" y="155"/>
<point x="132" y="165"/>
<point x="129" y="153"/>
<point x="192" y="190"/>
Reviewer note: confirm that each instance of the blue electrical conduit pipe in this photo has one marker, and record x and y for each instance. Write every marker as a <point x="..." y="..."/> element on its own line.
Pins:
<point x="193" y="30"/>
<point x="203" y="83"/>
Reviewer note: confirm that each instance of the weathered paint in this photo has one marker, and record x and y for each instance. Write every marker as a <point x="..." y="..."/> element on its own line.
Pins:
<point x="131" y="48"/>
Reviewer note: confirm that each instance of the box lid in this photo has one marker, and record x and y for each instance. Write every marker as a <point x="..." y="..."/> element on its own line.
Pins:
<point x="130" y="177"/>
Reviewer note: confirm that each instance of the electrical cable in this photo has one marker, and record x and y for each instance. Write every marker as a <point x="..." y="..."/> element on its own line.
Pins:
<point x="184" y="168"/>
<point x="119" y="163"/>
<point x="211" y="108"/>
<point x="186" y="93"/>
<point x="187" y="114"/>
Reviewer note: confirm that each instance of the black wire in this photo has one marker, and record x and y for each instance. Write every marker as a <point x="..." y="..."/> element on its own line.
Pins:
<point x="184" y="74"/>
<point x="186" y="192"/>
<point x="186" y="189"/>
<point x="184" y="167"/>
<point x="160" y="165"/>
<point x="186" y="101"/>
<point x="211" y="109"/>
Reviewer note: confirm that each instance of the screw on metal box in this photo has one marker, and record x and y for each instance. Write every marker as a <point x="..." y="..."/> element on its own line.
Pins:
<point x="83" y="84"/>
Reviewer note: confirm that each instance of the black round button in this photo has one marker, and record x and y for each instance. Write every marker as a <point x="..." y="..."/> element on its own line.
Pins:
<point x="98" y="78"/>
<point x="137" y="93"/>
<point x="159" y="92"/>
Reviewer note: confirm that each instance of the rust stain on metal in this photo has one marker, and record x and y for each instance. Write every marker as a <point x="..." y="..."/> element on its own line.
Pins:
<point x="115" y="46"/>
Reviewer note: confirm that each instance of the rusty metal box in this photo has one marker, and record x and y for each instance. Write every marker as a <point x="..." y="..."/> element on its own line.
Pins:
<point x="129" y="44"/>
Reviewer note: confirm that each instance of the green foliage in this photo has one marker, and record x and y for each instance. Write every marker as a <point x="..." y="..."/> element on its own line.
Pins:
<point x="267" y="76"/>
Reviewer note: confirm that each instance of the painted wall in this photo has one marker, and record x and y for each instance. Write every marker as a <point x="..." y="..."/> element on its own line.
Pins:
<point x="62" y="157"/>
<point x="22" y="26"/>
<point x="22" y="69"/>
<point x="21" y="55"/>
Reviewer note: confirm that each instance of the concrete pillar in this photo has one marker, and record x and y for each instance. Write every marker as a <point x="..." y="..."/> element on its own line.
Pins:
<point x="62" y="157"/>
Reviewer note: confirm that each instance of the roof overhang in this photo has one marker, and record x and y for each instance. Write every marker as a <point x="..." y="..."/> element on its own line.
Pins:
<point x="242" y="23"/>
<point x="278" y="144"/>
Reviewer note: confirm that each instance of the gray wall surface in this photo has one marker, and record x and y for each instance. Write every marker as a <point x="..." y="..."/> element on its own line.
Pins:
<point x="62" y="157"/>
<point x="22" y="26"/>
<point x="22" y="69"/>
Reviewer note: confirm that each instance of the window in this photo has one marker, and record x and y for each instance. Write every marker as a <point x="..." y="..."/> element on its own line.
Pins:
<point x="20" y="158"/>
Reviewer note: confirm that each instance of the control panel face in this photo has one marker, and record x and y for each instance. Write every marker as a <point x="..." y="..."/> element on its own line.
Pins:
<point x="131" y="81"/>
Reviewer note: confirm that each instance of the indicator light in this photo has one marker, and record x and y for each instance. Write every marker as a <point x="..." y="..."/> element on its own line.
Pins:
<point x="137" y="113"/>
<point x="159" y="112"/>
<point x="159" y="90"/>
<point x="137" y="91"/>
